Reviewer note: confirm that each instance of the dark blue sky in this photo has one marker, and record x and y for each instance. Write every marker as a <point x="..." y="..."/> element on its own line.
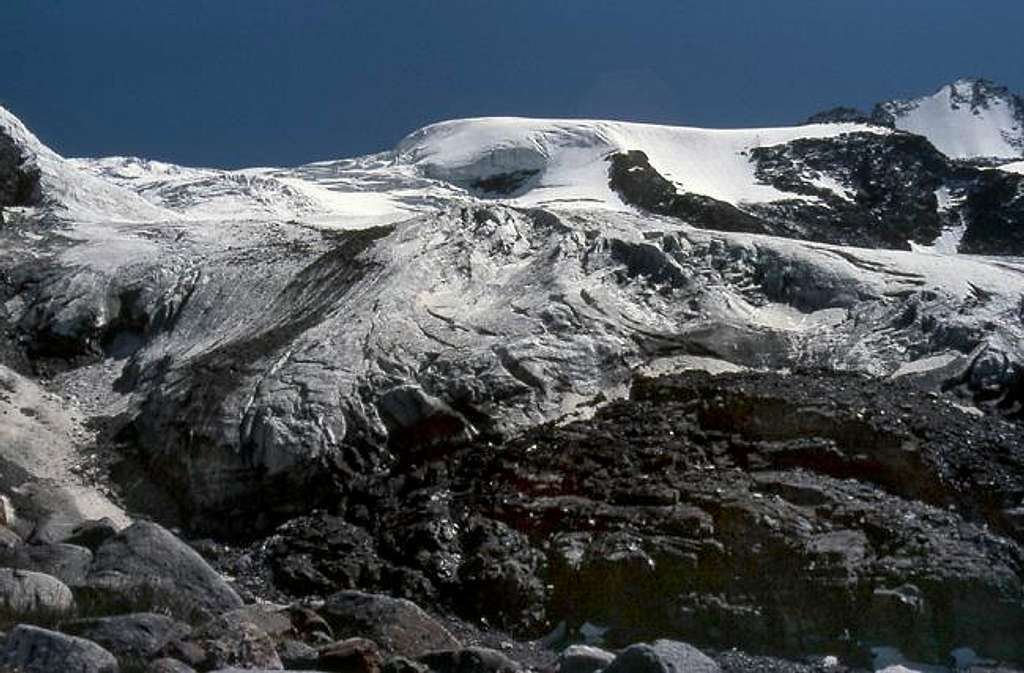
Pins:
<point x="258" y="82"/>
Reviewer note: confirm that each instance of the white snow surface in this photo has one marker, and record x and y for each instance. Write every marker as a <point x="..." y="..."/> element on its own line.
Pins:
<point x="571" y="156"/>
<point x="434" y="165"/>
<point x="960" y="129"/>
<point x="1014" y="167"/>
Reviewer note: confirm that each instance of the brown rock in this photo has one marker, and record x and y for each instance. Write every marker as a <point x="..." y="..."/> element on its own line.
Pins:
<point x="354" y="655"/>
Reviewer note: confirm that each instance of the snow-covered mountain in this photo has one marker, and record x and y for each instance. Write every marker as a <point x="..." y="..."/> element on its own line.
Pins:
<point x="250" y="327"/>
<point x="968" y="119"/>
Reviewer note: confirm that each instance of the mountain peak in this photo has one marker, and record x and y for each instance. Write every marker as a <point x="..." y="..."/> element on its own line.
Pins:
<point x="971" y="118"/>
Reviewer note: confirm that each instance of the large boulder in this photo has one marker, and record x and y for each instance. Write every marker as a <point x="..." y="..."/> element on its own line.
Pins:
<point x="398" y="626"/>
<point x="24" y="593"/>
<point x="68" y="563"/>
<point x="29" y="649"/>
<point x="583" y="659"/>
<point x="146" y="563"/>
<point x="135" y="636"/>
<point x="662" y="656"/>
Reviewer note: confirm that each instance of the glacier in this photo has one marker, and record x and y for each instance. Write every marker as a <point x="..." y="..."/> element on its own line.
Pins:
<point x="254" y="329"/>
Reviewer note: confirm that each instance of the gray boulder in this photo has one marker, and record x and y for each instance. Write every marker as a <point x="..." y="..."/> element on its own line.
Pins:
<point x="24" y="593"/>
<point x="146" y="563"/>
<point x="133" y="636"/>
<point x="398" y="626"/>
<point x="68" y="563"/>
<point x="30" y="649"/>
<point x="583" y="659"/>
<point x="662" y="656"/>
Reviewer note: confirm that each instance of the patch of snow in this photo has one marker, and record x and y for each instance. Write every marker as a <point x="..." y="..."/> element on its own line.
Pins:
<point x="824" y="181"/>
<point x="1015" y="167"/>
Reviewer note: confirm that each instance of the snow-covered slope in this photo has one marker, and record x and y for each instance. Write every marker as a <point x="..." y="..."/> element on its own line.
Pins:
<point x="569" y="157"/>
<point x="558" y="163"/>
<point x="72" y="192"/>
<point x="968" y="119"/>
<point x="205" y="194"/>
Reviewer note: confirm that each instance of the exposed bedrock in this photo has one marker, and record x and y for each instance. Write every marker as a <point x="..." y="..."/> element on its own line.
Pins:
<point x="810" y="512"/>
<point x="19" y="179"/>
<point x="858" y="189"/>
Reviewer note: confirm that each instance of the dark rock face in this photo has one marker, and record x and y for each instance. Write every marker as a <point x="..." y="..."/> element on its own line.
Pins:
<point x="19" y="181"/>
<point x="146" y="558"/>
<point x="890" y="180"/>
<point x="639" y="184"/>
<point x="789" y="514"/>
<point x="889" y="201"/>
<point x="419" y="551"/>
<point x="33" y="650"/>
<point x="995" y="210"/>
<point x="842" y="114"/>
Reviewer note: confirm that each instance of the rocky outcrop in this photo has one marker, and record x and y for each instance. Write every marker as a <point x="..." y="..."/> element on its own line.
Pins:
<point x="19" y="178"/>
<point x="813" y="511"/>
<point x="632" y="176"/>
<point x="857" y="189"/>
<point x="887" y="194"/>
<point x="995" y="211"/>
